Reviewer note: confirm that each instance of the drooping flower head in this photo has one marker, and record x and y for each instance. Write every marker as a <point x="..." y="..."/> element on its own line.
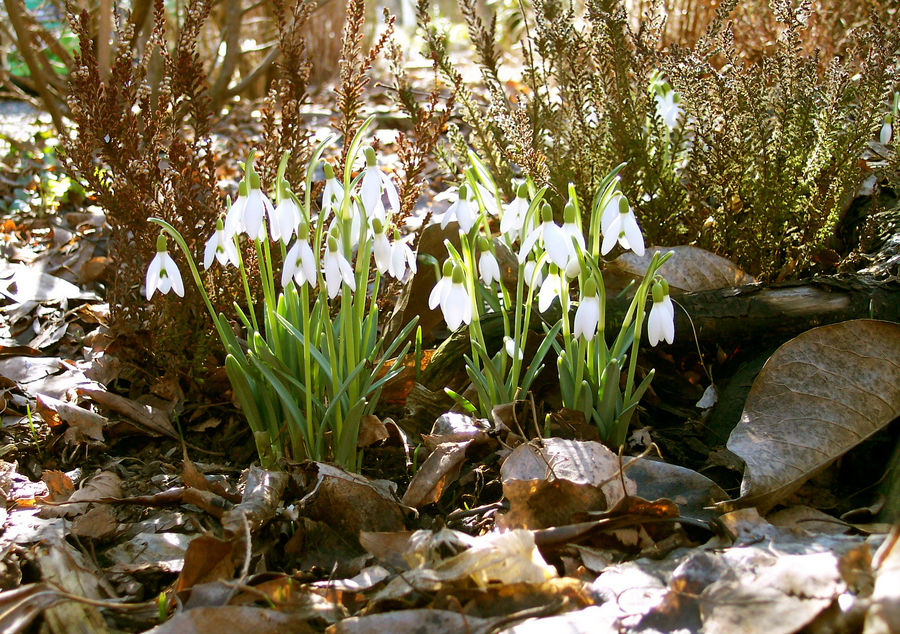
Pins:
<point x="337" y="269"/>
<point x="588" y="314"/>
<point x="550" y="289"/>
<point x="514" y="214"/>
<point x="300" y="261"/>
<point x="257" y="206"/>
<point x="661" y="323"/>
<point x="667" y="107"/>
<point x="488" y="267"/>
<point x="163" y="274"/>
<point x="234" y="218"/>
<point x="220" y="247"/>
<point x="287" y="214"/>
<point x="618" y="224"/>
<point x="461" y="209"/>
<point x="333" y="195"/>
<point x="887" y="130"/>
<point x="402" y="257"/>
<point x="554" y="239"/>
<point x="442" y="285"/>
<point x="455" y="304"/>
<point x="374" y="183"/>
<point x="381" y="248"/>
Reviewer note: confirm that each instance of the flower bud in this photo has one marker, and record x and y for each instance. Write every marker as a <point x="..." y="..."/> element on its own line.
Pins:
<point x="658" y="294"/>
<point x="522" y="191"/>
<point x="459" y="275"/>
<point x="569" y="213"/>
<point x="370" y="156"/>
<point x="161" y="243"/>
<point x="329" y="171"/>
<point x="447" y="270"/>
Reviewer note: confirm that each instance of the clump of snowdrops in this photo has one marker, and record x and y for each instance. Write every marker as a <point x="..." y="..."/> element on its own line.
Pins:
<point x="553" y="262"/>
<point x="313" y="364"/>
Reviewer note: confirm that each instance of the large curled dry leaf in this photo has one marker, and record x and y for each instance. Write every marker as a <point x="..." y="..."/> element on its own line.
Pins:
<point x="818" y="396"/>
<point x="689" y="269"/>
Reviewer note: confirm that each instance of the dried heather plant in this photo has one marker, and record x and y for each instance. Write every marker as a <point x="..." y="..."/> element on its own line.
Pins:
<point x="429" y="122"/>
<point x="354" y="70"/>
<point x="145" y="151"/>
<point x="284" y="129"/>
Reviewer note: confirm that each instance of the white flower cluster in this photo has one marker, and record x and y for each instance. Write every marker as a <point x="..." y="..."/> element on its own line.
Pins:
<point x="253" y="214"/>
<point x="543" y="243"/>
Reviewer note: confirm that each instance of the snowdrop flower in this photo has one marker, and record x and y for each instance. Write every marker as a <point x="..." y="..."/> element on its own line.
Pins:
<point x="442" y="286"/>
<point x="163" y="274"/>
<point x="556" y="242"/>
<point x="300" y="262"/>
<point x="488" y="200"/>
<point x="588" y="314"/>
<point x="381" y="248"/>
<point x="461" y="209"/>
<point x="257" y="205"/>
<point x="886" y="131"/>
<point x="402" y="257"/>
<point x="514" y="214"/>
<point x="488" y="268"/>
<point x="220" y="247"/>
<point x="374" y="183"/>
<point x="571" y="227"/>
<point x="333" y="195"/>
<point x="234" y="218"/>
<point x="661" y="323"/>
<point x="287" y="216"/>
<point x="455" y="304"/>
<point x="550" y="289"/>
<point x="532" y="276"/>
<point x="337" y="269"/>
<point x="618" y="224"/>
<point x="667" y="108"/>
<point x="512" y="349"/>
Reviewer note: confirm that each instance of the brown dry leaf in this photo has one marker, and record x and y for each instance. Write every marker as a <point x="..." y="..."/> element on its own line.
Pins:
<point x="150" y="551"/>
<point x="439" y="471"/>
<point x="690" y="269"/>
<point x="387" y="547"/>
<point x="192" y="477"/>
<point x="546" y="485"/>
<point x="817" y="397"/>
<point x="94" y="269"/>
<point x="234" y="620"/>
<point x="794" y="590"/>
<point x="105" y="484"/>
<point x="207" y="559"/>
<point x="150" y="418"/>
<point x="59" y="486"/>
<point x="371" y="431"/>
<point x="67" y="569"/>
<point x="20" y="606"/>
<point x="83" y="423"/>
<point x="349" y="502"/>
<point x="413" y="622"/>
<point x="693" y="492"/>
<point x="263" y="491"/>
<point x="98" y="523"/>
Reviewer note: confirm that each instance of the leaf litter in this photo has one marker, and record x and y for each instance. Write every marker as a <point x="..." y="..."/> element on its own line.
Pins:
<point x="456" y="523"/>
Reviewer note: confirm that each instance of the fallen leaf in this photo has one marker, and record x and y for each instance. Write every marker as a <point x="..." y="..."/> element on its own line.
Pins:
<point x="413" y="621"/>
<point x="83" y="422"/>
<point x="817" y="397"/>
<point x="233" y="619"/>
<point x="206" y="559"/>
<point x="547" y="484"/>
<point x="155" y="551"/>
<point x="148" y="417"/>
<point x="439" y="471"/>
